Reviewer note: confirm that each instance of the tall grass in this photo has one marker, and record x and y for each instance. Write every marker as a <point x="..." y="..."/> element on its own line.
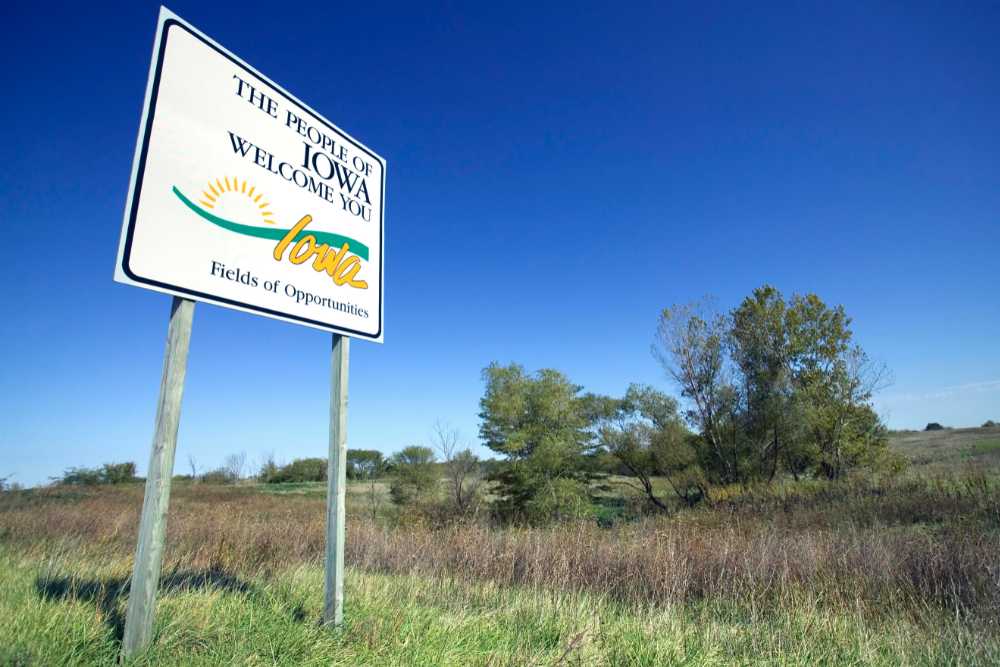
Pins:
<point x="887" y="549"/>
<point x="62" y="612"/>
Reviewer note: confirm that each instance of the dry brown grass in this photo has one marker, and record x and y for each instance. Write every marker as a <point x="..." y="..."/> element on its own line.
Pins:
<point x="835" y="548"/>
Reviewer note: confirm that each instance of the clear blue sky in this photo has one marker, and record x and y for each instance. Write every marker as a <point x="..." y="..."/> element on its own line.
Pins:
<point x="555" y="178"/>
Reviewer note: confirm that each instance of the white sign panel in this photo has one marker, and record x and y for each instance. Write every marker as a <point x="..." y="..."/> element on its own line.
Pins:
<point x="245" y="197"/>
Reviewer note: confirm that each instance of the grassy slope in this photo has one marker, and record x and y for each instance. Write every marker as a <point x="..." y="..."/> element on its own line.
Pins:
<point x="949" y="450"/>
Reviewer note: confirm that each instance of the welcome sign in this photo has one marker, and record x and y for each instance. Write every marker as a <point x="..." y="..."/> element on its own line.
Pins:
<point x="243" y="196"/>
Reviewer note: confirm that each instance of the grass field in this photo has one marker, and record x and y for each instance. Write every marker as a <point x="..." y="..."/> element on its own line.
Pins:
<point x="867" y="571"/>
<point x="946" y="450"/>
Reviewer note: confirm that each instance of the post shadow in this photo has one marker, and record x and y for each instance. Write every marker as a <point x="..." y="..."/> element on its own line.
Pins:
<point x="106" y="593"/>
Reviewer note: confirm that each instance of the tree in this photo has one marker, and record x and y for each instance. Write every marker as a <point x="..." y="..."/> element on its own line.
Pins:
<point x="691" y="346"/>
<point x="539" y="423"/>
<point x="301" y="470"/>
<point x="461" y="467"/>
<point x="236" y="465"/>
<point x="761" y="344"/>
<point x="109" y="473"/>
<point x="841" y="422"/>
<point x="645" y="433"/>
<point x="364" y="463"/>
<point x="368" y="465"/>
<point x="774" y="385"/>
<point x="268" y="469"/>
<point x="415" y="475"/>
<point x="118" y="473"/>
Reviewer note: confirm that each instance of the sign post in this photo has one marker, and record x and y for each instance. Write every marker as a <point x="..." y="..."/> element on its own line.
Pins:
<point x="153" y="526"/>
<point x="242" y="196"/>
<point x="336" y="492"/>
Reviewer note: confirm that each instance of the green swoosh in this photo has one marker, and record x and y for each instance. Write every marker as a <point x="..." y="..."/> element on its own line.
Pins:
<point x="334" y="240"/>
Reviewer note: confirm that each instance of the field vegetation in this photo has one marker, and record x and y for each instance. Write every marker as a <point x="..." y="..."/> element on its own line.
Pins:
<point x="898" y="570"/>
<point x="764" y="516"/>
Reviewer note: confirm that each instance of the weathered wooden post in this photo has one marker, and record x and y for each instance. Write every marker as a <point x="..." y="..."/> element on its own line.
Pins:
<point x="336" y="493"/>
<point x="153" y="526"/>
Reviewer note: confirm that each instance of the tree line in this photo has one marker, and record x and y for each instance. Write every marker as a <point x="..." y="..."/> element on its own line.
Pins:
<point x="773" y="388"/>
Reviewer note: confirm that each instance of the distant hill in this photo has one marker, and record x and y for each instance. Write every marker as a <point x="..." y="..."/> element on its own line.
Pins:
<point x="950" y="449"/>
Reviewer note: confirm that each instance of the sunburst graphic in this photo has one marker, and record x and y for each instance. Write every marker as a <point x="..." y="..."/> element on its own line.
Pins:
<point x="213" y="195"/>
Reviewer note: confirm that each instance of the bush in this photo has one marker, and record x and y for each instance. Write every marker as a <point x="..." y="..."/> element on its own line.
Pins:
<point x="934" y="426"/>
<point x="559" y="499"/>
<point x="80" y="477"/>
<point x="219" y="476"/>
<point x="989" y="423"/>
<point x="416" y="476"/>
<point x="300" y="470"/>
<point x="7" y="485"/>
<point x="109" y="473"/>
<point x="269" y="470"/>
<point x="118" y="473"/>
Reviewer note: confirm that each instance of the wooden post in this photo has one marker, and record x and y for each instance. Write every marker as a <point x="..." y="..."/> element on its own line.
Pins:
<point x="336" y="493"/>
<point x="149" y="551"/>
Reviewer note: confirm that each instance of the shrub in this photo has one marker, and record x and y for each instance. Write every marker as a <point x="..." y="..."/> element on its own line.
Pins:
<point x="300" y="470"/>
<point x="118" y="473"/>
<point x="558" y="499"/>
<point x="416" y="476"/>
<point x="218" y="476"/>
<point x="80" y="477"/>
<point x="268" y="470"/>
<point x="934" y="426"/>
<point x="109" y="473"/>
<point x="989" y="423"/>
<point x="7" y="485"/>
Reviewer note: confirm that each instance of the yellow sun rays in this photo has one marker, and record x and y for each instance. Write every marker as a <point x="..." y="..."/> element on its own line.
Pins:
<point x="219" y="187"/>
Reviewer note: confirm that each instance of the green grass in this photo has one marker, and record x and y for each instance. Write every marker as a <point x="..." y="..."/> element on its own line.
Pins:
<point x="984" y="448"/>
<point x="296" y="488"/>
<point x="64" y="610"/>
<point x="949" y="450"/>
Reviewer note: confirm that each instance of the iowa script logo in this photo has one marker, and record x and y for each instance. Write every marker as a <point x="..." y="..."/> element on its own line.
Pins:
<point x="338" y="256"/>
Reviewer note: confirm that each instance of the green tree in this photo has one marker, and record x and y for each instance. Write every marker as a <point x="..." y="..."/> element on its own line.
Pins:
<point x="691" y="344"/>
<point x="269" y="468"/>
<point x="842" y="424"/>
<point x="416" y="476"/>
<point x="109" y="473"/>
<point x="540" y="424"/>
<point x="118" y="473"/>
<point x="301" y="470"/>
<point x="645" y="433"/>
<point x="364" y="463"/>
<point x="368" y="465"/>
<point x="775" y="385"/>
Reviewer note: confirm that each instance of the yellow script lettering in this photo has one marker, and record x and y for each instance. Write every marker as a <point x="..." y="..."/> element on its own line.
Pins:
<point x="339" y="265"/>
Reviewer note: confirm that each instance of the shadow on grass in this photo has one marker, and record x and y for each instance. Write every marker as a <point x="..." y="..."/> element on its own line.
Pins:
<point x="107" y="594"/>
